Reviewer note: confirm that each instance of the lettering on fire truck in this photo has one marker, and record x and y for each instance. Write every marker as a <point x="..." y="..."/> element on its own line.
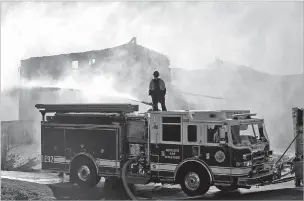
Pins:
<point x="170" y="154"/>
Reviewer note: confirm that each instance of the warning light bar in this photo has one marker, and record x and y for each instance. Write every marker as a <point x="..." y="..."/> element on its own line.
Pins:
<point x="251" y="121"/>
<point x="245" y="114"/>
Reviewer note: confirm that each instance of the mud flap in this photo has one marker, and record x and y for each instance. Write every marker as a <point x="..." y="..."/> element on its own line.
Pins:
<point x="114" y="189"/>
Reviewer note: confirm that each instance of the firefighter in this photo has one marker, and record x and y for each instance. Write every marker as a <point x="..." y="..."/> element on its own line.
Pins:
<point x="216" y="137"/>
<point x="298" y="170"/>
<point x="157" y="90"/>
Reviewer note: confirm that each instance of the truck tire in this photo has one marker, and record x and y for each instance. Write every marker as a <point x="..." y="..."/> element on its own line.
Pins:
<point x="72" y="179"/>
<point x="227" y="188"/>
<point x="194" y="180"/>
<point x="84" y="173"/>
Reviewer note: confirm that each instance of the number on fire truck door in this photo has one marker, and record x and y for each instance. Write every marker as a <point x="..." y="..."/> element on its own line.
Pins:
<point x="48" y="159"/>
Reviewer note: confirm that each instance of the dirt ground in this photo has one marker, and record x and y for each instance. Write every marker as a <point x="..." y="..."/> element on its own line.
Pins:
<point x="21" y="190"/>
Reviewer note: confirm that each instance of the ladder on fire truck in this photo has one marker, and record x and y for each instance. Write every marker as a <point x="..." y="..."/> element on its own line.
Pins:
<point x="86" y="108"/>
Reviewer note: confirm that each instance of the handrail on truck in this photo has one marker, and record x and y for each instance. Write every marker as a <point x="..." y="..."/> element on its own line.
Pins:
<point x="281" y="180"/>
<point x="287" y="148"/>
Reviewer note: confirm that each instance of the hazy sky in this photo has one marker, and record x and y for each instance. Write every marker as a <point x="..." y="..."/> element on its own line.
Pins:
<point x="265" y="35"/>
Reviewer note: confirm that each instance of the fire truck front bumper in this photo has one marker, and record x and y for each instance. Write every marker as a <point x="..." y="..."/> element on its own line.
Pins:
<point x="256" y="179"/>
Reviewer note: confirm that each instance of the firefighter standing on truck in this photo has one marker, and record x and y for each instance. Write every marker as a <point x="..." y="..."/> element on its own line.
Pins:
<point x="157" y="90"/>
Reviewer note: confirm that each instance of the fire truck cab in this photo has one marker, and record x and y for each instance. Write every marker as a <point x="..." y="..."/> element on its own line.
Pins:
<point x="196" y="149"/>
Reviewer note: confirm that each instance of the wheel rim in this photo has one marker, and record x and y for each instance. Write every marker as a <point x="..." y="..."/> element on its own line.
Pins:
<point x="192" y="181"/>
<point x="84" y="173"/>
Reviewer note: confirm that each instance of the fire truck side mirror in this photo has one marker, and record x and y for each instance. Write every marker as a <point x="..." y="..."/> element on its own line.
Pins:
<point x="222" y="136"/>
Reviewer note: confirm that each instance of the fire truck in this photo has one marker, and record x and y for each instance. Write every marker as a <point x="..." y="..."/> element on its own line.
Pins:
<point x="197" y="149"/>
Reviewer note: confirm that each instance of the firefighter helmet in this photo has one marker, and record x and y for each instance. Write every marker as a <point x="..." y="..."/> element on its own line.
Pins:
<point x="156" y="73"/>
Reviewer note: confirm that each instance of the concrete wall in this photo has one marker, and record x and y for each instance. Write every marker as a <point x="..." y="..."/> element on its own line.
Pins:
<point x="9" y="106"/>
<point x="19" y="132"/>
<point x="20" y="145"/>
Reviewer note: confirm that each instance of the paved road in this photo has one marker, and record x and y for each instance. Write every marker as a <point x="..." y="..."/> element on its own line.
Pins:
<point x="67" y="191"/>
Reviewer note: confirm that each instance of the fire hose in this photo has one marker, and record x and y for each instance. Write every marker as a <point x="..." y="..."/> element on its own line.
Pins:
<point x="124" y="179"/>
<point x="287" y="148"/>
<point x="125" y="182"/>
<point x="280" y="180"/>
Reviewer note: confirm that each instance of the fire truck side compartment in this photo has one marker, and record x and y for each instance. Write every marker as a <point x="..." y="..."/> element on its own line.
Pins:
<point x="105" y="137"/>
<point x="62" y="144"/>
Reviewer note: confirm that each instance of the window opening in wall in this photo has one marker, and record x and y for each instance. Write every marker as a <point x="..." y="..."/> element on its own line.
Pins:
<point x="74" y="64"/>
<point x="171" y="129"/>
<point x="192" y="133"/>
<point x="91" y="62"/>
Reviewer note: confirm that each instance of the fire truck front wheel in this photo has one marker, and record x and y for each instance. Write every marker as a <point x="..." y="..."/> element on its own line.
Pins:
<point x="84" y="173"/>
<point x="194" y="181"/>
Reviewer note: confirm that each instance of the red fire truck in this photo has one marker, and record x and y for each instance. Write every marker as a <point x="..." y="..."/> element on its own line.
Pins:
<point x="196" y="149"/>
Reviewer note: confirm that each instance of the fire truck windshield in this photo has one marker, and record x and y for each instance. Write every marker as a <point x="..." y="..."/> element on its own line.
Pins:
<point x="248" y="134"/>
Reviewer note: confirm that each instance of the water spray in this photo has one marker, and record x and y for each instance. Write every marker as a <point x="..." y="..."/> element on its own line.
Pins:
<point x="139" y="101"/>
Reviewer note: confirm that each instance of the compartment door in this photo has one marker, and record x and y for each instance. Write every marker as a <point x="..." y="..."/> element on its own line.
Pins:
<point x="167" y="152"/>
<point x="52" y="148"/>
<point x="192" y="141"/>
<point x="102" y="144"/>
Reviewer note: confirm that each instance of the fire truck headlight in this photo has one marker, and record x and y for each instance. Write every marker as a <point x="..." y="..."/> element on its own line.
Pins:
<point x="244" y="164"/>
<point x="247" y="163"/>
<point x="246" y="157"/>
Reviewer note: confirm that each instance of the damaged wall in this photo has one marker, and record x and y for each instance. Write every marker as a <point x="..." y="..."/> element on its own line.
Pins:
<point x="55" y="67"/>
<point x="131" y="65"/>
<point x="18" y="132"/>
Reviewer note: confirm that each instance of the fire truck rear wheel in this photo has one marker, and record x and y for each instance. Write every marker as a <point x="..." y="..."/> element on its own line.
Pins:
<point x="194" y="181"/>
<point x="84" y="173"/>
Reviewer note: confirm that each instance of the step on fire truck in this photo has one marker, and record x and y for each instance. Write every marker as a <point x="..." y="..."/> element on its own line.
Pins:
<point x="228" y="149"/>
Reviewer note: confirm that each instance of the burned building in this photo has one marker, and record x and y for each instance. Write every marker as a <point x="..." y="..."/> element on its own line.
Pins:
<point x="120" y="60"/>
<point x="131" y="65"/>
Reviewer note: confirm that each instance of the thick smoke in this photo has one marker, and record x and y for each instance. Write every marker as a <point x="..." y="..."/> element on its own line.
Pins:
<point x="268" y="36"/>
<point x="265" y="35"/>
